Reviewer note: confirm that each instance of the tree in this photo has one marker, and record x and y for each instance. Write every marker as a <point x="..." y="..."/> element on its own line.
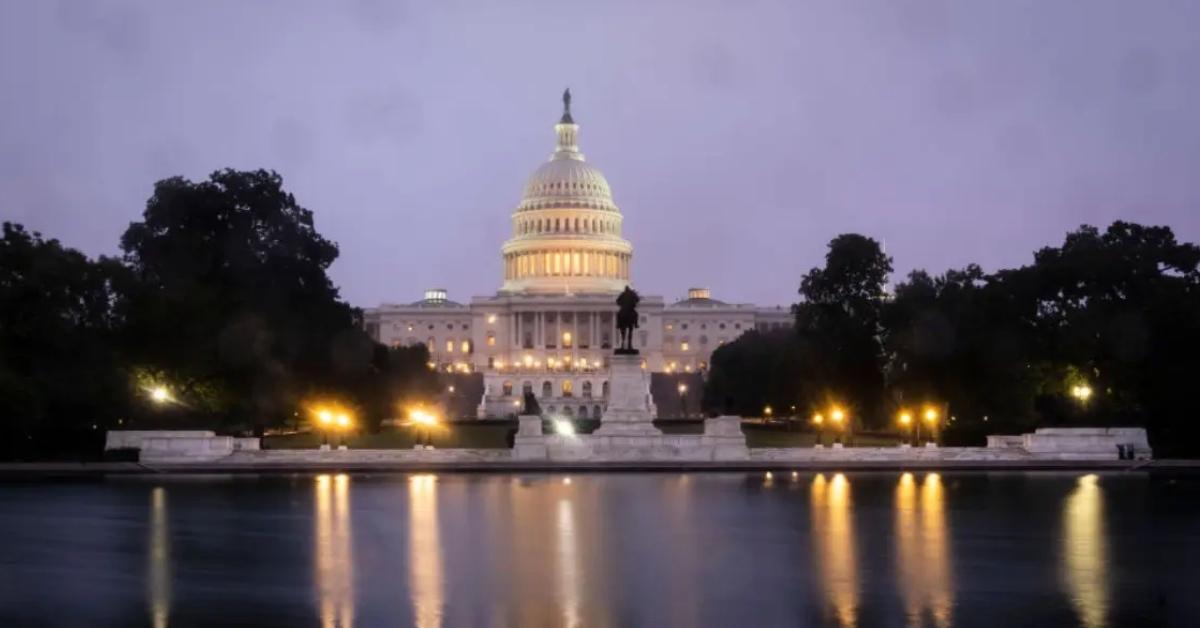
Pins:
<point x="838" y="320"/>
<point x="230" y="295"/>
<point x="60" y="383"/>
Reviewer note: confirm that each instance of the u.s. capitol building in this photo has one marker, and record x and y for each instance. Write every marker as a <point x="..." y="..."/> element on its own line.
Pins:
<point x="550" y="328"/>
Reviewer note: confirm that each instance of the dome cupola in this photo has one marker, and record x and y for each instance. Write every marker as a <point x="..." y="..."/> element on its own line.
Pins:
<point x="566" y="229"/>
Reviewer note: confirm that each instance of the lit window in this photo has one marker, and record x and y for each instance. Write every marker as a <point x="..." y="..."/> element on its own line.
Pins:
<point x="566" y="338"/>
<point x="491" y="339"/>
<point x="466" y="346"/>
<point x="567" y="388"/>
<point x="449" y="346"/>
<point x="683" y="346"/>
<point x="670" y="327"/>
<point x="410" y="327"/>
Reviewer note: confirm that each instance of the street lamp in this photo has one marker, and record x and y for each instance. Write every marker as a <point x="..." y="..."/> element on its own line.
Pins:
<point x="325" y="421"/>
<point x="160" y="395"/>
<point x="931" y="417"/>
<point x="767" y="412"/>
<point x="683" y="399"/>
<point x="838" y="416"/>
<point x="818" y="420"/>
<point x="906" y="423"/>
<point x="422" y="419"/>
<point x="1081" y="392"/>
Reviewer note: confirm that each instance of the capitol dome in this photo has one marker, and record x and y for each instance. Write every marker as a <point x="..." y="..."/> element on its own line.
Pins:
<point x="566" y="229"/>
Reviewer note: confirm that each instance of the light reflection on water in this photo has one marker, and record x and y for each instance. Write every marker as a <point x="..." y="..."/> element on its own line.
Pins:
<point x="159" y="580"/>
<point x="334" y="552"/>
<point x="922" y="550"/>
<point x="833" y="537"/>
<point x="859" y="549"/>
<point x="1085" y="552"/>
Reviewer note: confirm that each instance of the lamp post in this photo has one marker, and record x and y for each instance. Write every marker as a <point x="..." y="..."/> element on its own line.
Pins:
<point x="683" y="399"/>
<point x="818" y="420"/>
<point x="838" y="416"/>
<point x="343" y="423"/>
<point x="931" y="419"/>
<point x="325" y="421"/>
<point x="906" y="424"/>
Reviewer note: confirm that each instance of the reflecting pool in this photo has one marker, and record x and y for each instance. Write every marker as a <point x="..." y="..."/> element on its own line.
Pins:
<point x="780" y="549"/>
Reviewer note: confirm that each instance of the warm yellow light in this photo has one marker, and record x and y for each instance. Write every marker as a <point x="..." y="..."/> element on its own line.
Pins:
<point x="818" y="419"/>
<point x="905" y="418"/>
<point x="160" y="394"/>
<point x="491" y="318"/>
<point x="421" y="417"/>
<point x="1082" y="392"/>
<point x="931" y="414"/>
<point x="516" y="404"/>
<point x="564" y="428"/>
<point x="528" y="360"/>
<point x="837" y="415"/>
<point x="325" y="417"/>
<point x="682" y="388"/>
<point x="343" y="420"/>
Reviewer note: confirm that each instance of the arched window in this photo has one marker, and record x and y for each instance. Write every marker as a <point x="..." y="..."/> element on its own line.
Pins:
<point x="604" y="389"/>
<point x="567" y="411"/>
<point x="583" y="412"/>
<point x="587" y="390"/>
<point x="567" y="387"/>
<point x="596" y="412"/>
<point x="526" y="388"/>
<point x="507" y="389"/>
<point x="547" y="390"/>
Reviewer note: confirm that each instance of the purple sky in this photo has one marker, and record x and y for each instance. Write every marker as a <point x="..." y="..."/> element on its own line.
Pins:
<point x="738" y="136"/>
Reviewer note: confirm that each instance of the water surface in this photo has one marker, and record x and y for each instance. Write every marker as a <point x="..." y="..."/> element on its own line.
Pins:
<point x="783" y="549"/>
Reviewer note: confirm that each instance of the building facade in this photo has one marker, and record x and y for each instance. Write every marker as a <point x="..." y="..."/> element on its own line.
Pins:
<point x="551" y="326"/>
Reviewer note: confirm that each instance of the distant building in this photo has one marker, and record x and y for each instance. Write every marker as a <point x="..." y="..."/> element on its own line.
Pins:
<point x="551" y="326"/>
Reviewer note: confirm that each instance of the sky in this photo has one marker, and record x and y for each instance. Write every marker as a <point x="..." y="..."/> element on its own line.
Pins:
<point x="739" y="136"/>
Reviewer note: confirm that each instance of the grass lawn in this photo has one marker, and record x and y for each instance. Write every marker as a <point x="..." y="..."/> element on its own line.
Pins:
<point x="493" y="435"/>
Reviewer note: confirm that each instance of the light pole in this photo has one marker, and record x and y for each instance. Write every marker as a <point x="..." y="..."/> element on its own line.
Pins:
<point x="931" y="417"/>
<point x="683" y="399"/>
<point x="906" y="421"/>
<point x="838" y="416"/>
<point x="819" y="421"/>
<point x="325" y="420"/>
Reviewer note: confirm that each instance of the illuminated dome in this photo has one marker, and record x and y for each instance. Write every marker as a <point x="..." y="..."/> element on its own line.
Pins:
<point x="567" y="229"/>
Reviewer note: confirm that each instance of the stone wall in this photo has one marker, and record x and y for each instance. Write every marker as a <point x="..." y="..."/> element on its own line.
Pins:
<point x="132" y="439"/>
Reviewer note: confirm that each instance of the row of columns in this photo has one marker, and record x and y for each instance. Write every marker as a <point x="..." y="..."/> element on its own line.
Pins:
<point x="566" y="263"/>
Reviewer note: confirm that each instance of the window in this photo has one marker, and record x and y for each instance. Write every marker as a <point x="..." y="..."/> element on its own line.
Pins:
<point x="491" y="362"/>
<point x="587" y="390"/>
<point x="721" y="326"/>
<point x="567" y="387"/>
<point x="737" y="325"/>
<point x="683" y="326"/>
<point x="465" y="347"/>
<point x="567" y="410"/>
<point x="527" y="387"/>
<point x="507" y="389"/>
<point x="449" y="346"/>
<point x="566" y="338"/>
<point x="429" y="344"/>
<point x="465" y="326"/>
<point x="670" y="327"/>
<point x="547" y="390"/>
<point x="450" y="326"/>
<point x="683" y="346"/>
<point x="604" y="389"/>
<point x="491" y="339"/>
<point x="596" y="412"/>
<point x="410" y="327"/>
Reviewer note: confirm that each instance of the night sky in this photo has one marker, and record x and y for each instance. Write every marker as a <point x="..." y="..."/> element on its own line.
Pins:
<point x="738" y="136"/>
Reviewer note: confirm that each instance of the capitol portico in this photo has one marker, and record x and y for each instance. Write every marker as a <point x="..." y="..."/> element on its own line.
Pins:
<point x="551" y="327"/>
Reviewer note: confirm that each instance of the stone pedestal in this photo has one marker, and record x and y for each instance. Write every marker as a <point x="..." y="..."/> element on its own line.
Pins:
<point x="530" y="443"/>
<point x="630" y="409"/>
<point x="724" y="435"/>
